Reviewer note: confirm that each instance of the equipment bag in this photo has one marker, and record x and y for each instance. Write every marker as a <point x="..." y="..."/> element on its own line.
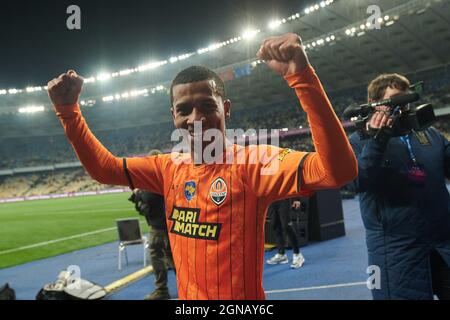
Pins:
<point x="67" y="287"/>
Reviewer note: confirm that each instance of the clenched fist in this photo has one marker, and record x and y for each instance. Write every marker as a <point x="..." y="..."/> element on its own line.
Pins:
<point x="65" y="89"/>
<point x="284" y="54"/>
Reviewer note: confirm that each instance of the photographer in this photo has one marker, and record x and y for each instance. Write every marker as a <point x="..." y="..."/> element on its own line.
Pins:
<point x="404" y="202"/>
<point x="151" y="206"/>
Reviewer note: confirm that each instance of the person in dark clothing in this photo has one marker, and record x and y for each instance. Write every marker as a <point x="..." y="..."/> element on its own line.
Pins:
<point x="151" y="206"/>
<point x="405" y="204"/>
<point x="279" y="214"/>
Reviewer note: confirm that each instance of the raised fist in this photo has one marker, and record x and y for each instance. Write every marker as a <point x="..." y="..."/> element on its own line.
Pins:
<point x="65" y="89"/>
<point x="284" y="54"/>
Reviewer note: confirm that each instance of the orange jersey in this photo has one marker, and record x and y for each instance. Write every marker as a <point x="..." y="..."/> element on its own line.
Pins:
<point x="216" y="212"/>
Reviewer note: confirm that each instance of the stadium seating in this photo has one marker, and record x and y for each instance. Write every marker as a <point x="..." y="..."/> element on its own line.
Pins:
<point x="25" y="149"/>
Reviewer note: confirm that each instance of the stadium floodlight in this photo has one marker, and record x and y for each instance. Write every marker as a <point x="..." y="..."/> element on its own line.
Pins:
<point x="143" y="68"/>
<point x="89" y="80"/>
<point x="274" y="24"/>
<point x="249" y="34"/>
<point x="103" y="76"/>
<point x="125" y="72"/>
<point x="31" y="109"/>
<point x="33" y="89"/>
<point x="184" y="56"/>
<point x="214" y="46"/>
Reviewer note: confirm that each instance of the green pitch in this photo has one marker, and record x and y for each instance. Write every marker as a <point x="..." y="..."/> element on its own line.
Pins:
<point x="33" y="230"/>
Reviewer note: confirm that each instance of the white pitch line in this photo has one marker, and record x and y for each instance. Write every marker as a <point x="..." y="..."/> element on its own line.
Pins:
<point x="40" y="244"/>
<point x="350" y="284"/>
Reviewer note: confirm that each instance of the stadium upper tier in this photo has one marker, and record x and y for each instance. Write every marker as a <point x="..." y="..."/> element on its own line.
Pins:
<point x="35" y="150"/>
<point x="130" y="113"/>
<point x="253" y="87"/>
<point x="413" y="35"/>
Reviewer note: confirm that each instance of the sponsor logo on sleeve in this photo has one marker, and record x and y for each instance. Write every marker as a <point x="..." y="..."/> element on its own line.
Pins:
<point x="283" y="153"/>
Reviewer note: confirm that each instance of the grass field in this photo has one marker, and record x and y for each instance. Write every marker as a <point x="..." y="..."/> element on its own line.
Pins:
<point x="32" y="223"/>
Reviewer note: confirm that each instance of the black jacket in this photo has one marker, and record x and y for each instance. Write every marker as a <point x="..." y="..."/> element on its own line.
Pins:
<point x="404" y="222"/>
<point x="151" y="205"/>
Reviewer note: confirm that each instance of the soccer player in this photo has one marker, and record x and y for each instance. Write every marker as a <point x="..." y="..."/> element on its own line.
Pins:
<point x="216" y="211"/>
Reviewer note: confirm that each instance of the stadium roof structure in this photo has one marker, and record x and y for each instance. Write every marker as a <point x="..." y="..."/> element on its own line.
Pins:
<point x="413" y="35"/>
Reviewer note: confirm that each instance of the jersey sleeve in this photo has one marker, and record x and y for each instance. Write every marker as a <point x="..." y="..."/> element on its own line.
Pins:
<point x="293" y="173"/>
<point x="274" y="173"/>
<point x="102" y="166"/>
<point x="147" y="173"/>
<point x="334" y="162"/>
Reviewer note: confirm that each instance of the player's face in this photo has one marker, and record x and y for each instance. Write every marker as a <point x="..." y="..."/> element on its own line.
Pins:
<point x="199" y="101"/>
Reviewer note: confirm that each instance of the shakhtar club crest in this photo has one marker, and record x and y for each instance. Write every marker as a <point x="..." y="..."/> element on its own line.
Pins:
<point x="218" y="191"/>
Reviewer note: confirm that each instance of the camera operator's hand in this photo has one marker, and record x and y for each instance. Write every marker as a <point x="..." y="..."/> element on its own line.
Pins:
<point x="66" y="89"/>
<point x="380" y="118"/>
<point x="296" y="205"/>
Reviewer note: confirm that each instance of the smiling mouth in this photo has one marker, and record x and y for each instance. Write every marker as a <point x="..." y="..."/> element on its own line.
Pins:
<point x="195" y="134"/>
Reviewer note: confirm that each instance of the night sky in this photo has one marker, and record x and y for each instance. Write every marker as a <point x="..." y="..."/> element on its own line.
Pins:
<point x="36" y="44"/>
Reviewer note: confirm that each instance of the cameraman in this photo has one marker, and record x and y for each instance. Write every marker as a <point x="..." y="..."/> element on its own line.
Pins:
<point x="405" y="205"/>
<point x="151" y="206"/>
